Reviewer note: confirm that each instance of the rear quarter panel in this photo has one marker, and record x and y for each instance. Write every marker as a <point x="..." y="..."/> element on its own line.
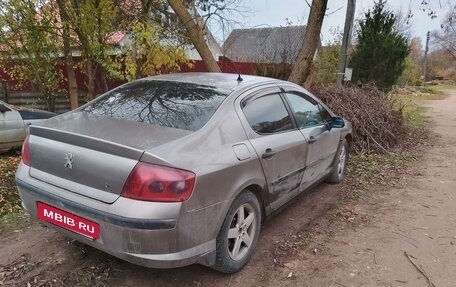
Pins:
<point x="12" y="129"/>
<point x="221" y="175"/>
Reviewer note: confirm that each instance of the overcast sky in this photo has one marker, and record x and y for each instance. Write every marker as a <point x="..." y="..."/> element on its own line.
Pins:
<point x="264" y="13"/>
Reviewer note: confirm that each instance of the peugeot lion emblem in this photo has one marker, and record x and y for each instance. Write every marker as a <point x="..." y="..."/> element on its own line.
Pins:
<point x="69" y="158"/>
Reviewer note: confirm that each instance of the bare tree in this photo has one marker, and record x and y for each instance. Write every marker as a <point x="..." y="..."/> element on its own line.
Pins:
<point x="302" y="69"/>
<point x="195" y="29"/>
<point x="447" y="36"/>
<point x="71" y="75"/>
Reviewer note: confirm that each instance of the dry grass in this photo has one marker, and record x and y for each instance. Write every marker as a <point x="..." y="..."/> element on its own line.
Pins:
<point x="9" y="197"/>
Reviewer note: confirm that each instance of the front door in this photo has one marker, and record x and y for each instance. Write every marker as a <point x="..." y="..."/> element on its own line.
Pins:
<point x="311" y="119"/>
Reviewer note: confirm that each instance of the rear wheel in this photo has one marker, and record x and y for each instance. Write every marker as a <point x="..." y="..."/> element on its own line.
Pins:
<point x="340" y="163"/>
<point x="239" y="233"/>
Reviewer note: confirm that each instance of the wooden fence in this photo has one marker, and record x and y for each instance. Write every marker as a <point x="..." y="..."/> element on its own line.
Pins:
<point x="34" y="100"/>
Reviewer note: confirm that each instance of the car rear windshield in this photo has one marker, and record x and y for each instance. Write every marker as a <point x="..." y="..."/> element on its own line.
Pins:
<point x="178" y="105"/>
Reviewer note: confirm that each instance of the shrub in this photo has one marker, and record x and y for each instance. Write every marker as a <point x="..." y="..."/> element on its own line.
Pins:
<point x="377" y="127"/>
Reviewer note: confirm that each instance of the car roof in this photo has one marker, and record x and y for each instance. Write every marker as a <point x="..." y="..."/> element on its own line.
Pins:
<point x="224" y="81"/>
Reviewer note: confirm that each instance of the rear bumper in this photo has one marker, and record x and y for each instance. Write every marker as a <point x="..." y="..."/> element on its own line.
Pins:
<point x="99" y="215"/>
<point x="155" y="243"/>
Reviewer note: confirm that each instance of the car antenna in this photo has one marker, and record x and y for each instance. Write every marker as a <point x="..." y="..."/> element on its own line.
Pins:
<point x="239" y="79"/>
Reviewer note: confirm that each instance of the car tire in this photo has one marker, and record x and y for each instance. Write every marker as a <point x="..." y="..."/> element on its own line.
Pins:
<point x="239" y="233"/>
<point x="340" y="163"/>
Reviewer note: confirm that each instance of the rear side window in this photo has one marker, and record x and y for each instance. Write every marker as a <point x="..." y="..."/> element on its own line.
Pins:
<point x="178" y="105"/>
<point x="267" y="115"/>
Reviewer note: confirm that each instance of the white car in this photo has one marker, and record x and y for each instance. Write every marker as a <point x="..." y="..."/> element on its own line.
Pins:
<point x="14" y="123"/>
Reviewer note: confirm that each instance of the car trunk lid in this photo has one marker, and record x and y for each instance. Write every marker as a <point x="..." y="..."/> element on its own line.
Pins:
<point x="92" y="155"/>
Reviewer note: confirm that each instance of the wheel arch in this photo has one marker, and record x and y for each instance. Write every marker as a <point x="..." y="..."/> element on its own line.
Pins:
<point x="259" y="189"/>
<point x="349" y="139"/>
<point x="261" y="195"/>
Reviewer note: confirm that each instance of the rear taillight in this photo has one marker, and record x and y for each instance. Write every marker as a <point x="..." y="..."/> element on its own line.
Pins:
<point x="151" y="182"/>
<point x="25" y="151"/>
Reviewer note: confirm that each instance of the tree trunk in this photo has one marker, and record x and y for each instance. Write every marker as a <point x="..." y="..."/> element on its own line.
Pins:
<point x="104" y="80"/>
<point x="90" y="79"/>
<point x="87" y="52"/>
<point x="50" y="101"/>
<point x="102" y="73"/>
<point x="301" y="70"/>
<point x="72" y="83"/>
<point x="195" y="33"/>
<point x="135" y="59"/>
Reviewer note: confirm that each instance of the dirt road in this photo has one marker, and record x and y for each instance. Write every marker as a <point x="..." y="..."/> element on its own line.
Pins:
<point x="368" y="249"/>
<point x="418" y="220"/>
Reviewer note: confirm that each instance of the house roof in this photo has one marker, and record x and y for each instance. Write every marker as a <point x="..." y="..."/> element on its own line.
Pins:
<point x="267" y="45"/>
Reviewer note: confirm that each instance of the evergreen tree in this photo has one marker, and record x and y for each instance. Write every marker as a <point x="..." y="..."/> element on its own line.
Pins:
<point x="381" y="51"/>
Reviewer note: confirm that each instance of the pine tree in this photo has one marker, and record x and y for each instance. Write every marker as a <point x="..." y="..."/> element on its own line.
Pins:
<point x="381" y="50"/>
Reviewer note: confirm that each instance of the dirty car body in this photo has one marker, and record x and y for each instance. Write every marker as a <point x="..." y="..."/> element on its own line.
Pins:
<point x="14" y="124"/>
<point x="179" y="169"/>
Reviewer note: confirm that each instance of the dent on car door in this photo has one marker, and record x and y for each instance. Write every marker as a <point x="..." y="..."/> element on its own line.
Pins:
<point x="11" y="127"/>
<point x="281" y="147"/>
<point x="311" y="118"/>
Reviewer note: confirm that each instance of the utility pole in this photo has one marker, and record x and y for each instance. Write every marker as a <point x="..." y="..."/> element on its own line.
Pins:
<point x="346" y="40"/>
<point x="426" y="49"/>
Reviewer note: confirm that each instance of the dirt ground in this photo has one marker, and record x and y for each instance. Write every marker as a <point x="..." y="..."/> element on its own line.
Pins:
<point x="384" y="239"/>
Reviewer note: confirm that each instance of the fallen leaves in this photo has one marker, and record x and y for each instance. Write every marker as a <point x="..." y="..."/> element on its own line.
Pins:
<point x="9" y="197"/>
<point x="16" y="269"/>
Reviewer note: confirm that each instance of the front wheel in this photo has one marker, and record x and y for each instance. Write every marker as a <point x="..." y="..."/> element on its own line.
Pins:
<point x="239" y="233"/>
<point x="340" y="164"/>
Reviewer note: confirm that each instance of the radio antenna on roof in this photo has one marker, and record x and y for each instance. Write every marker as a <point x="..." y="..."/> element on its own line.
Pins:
<point x="239" y="79"/>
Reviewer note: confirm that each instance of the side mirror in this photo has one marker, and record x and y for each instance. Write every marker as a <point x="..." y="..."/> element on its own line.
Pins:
<point x="4" y="108"/>
<point x="337" y="122"/>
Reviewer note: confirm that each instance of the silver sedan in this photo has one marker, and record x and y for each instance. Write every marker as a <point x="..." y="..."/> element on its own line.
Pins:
<point x="179" y="169"/>
<point x="15" y="122"/>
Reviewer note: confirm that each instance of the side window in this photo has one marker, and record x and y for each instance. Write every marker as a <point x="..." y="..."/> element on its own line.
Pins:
<point x="307" y="114"/>
<point x="267" y="114"/>
<point x="324" y="113"/>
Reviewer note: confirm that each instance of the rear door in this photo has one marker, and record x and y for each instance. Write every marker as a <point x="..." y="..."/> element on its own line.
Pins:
<point x="280" y="146"/>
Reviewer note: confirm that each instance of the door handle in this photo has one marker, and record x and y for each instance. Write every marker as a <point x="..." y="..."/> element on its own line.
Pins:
<point x="268" y="153"/>
<point x="312" y="139"/>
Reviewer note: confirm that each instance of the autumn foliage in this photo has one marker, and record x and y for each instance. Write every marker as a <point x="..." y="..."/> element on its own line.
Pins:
<point x="9" y="198"/>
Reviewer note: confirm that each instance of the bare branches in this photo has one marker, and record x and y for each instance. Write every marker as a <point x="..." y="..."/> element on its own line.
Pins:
<point x="308" y="4"/>
<point x="220" y="18"/>
<point x="377" y="127"/>
<point x="446" y="38"/>
<point x="195" y="30"/>
<point x="420" y="269"/>
<point x="335" y="11"/>
<point x="302" y="68"/>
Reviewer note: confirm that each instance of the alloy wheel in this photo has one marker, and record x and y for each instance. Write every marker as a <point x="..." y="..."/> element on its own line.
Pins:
<point x="342" y="161"/>
<point x="242" y="231"/>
